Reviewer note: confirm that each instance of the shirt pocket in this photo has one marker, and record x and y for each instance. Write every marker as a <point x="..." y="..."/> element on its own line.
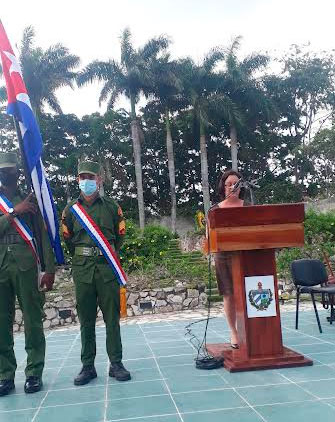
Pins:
<point x="107" y="228"/>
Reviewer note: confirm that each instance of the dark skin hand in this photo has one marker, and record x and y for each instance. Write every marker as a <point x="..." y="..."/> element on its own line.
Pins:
<point x="47" y="281"/>
<point x="28" y="205"/>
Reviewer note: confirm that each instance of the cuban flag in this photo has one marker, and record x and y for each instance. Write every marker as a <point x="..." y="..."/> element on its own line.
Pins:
<point x="19" y="106"/>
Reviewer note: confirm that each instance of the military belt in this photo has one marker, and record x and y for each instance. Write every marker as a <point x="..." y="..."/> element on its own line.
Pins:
<point x="87" y="251"/>
<point x="10" y="239"/>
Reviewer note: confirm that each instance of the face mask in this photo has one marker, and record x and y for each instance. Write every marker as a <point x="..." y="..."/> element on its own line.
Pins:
<point x="88" y="187"/>
<point x="8" y="179"/>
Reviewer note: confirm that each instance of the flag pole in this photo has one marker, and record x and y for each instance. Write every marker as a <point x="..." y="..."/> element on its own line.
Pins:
<point x="35" y="227"/>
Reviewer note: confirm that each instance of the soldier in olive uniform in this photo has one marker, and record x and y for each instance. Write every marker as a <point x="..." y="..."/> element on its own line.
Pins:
<point x="95" y="281"/>
<point x="19" y="278"/>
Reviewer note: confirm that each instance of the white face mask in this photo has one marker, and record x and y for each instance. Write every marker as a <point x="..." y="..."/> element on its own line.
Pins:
<point x="87" y="186"/>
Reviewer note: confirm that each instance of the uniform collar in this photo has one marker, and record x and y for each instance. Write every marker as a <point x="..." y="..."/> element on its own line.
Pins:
<point x="81" y="199"/>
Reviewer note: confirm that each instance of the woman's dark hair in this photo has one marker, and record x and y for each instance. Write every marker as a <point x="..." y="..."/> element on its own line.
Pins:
<point x="221" y="185"/>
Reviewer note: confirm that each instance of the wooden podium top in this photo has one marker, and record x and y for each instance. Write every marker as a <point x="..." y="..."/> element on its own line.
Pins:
<point x="256" y="227"/>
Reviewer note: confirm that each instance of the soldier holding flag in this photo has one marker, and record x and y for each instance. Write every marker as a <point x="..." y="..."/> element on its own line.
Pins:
<point x="23" y="238"/>
<point x="19" y="277"/>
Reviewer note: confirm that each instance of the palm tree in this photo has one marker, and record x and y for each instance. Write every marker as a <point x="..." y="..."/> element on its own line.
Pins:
<point x="244" y="90"/>
<point x="45" y="71"/>
<point x="130" y="77"/>
<point x="167" y="88"/>
<point x="201" y="85"/>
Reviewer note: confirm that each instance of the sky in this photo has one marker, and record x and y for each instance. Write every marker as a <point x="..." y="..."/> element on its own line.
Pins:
<point x="91" y="30"/>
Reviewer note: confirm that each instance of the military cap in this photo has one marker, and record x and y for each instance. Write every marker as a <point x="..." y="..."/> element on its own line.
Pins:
<point x="90" y="167"/>
<point x="8" y="159"/>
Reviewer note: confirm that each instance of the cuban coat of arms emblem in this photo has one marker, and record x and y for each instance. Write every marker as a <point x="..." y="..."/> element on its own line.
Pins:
<point x="260" y="296"/>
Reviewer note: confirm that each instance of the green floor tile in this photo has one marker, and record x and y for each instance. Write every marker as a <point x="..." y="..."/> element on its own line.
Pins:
<point x="186" y="370"/>
<point x="315" y="348"/>
<point x="274" y="394"/>
<point x="145" y="363"/>
<point x="307" y="373"/>
<point x="321" y="389"/>
<point x="169" y="418"/>
<point x="76" y="395"/>
<point x="136" y="354"/>
<point x="176" y="360"/>
<point x="21" y="401"/>
<point x="184" y="348"/>
<point x="17" y="416"/>
<point x="331" y="401"/>
<point x="178" y="384"/>
<point x="298" y="412"/>
<point x="140" y="407"/>
<point x="136" y="389"/>
<point x="86" y="412"/>
<point x="208" y="400"/>
<point x="176" y="343"/>
<point x="231" y="415"/>
<point x="241" y="379"/>
<point x="325" y="358"/>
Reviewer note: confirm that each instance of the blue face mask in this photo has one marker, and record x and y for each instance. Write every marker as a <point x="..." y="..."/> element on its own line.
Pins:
<point x="87" y="186"/>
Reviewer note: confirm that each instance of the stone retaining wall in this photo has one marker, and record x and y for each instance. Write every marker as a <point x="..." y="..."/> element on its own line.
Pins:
<point x="145" y="302"/>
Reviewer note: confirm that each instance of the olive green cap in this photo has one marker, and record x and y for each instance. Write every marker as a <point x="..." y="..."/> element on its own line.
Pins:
<point x="90" y="167"/>
<point x="8" y="159"/>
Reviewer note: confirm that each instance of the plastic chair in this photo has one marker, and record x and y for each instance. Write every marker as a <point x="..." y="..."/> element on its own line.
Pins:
<point x="310" y="276"/>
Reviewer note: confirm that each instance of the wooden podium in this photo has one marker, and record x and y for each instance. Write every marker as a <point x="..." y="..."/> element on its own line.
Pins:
<point x="253" y="233"/>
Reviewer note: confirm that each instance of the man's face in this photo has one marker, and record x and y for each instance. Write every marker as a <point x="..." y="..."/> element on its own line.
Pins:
<point x="9" y="176"/>
<point x="88" y="176"/>
<point x="89" y="183"/>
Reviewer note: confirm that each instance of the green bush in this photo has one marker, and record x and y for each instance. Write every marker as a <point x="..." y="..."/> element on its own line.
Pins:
<point x="143" y="251"/>
<point x="319" y="238"/>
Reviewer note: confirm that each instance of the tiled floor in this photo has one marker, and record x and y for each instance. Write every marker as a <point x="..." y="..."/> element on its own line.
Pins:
<point x="165" y="385"/>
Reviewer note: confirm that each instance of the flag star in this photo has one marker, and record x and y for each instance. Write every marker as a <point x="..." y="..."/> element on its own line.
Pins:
<point x="15" y="66"/>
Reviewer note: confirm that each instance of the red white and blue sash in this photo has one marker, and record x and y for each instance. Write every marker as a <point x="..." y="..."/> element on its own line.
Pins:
<point x="98" y="237"/>
<point x="20" y="226"/>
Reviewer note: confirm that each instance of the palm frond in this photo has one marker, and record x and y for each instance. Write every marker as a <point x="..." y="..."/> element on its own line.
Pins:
<point x="235" y="45"/>
<point x="27" y="39"/>
<point x="101" y="71"/>
<point x="212" y="58"/>
<point x="53" y="103"/>
<point x="153" y="47"/>
<point x="127" y="50"/>
<point x="112" y="98"/>
<point x="253" y="63"/>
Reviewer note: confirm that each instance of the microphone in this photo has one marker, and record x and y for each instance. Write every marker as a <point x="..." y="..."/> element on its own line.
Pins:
<point x="238" y="184"/>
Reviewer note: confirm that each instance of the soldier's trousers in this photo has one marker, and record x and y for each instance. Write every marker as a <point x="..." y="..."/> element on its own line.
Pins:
<point x="23" y="285"/>
<point x="107" y="296"/>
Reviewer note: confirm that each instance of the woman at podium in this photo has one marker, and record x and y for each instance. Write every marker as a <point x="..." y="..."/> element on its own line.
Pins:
<point x="231" y="195"/>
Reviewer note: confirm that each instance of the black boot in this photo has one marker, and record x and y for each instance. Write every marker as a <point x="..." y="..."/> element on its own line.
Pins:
<point x="86" y="374"/>
<point x="32" y="384"/>
<point x="118" y="371"/>
<point x="6" y="386"/>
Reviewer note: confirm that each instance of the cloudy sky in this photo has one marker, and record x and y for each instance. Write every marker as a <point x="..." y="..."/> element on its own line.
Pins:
<point x="92" y="30"/>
